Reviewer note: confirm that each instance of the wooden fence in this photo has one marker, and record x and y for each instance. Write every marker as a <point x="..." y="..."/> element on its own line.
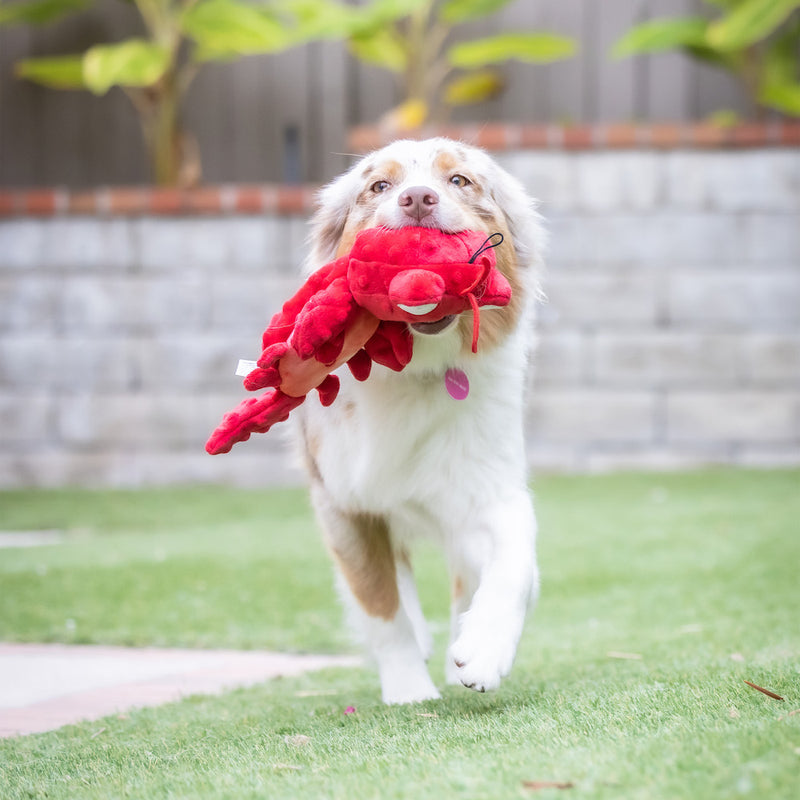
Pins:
<point x="285" y="117"/>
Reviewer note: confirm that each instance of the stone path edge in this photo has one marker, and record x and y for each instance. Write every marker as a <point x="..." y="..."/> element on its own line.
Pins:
<point x="180" y="674"/>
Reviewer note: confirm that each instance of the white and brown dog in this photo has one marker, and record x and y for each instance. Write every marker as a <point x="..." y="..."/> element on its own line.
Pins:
<point x="396" y="458"/>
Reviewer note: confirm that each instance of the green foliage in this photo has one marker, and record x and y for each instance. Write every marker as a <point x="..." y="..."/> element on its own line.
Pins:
<point x="532" y="48"/>
<point x="748" y="22"/>
<point x="376" y="14"/>
<point x="134" y="62"/>
<point x="55" y="72"/>
<point x="455" y="11"/>
<point x="381" y="48"/>
<point x="756" y="40"/>
<point x="662" y="34"/>
<point x="226" y="29"/>
<point x="39" y="12"/>
<point x="472" y="87"/>
<point x="413" y="40"/>
<point x="156" y="72"/>
<point x="317" y="19"/>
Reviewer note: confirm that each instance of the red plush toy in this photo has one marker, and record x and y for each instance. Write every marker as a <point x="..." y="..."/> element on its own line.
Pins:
<point x="356" y="310"/>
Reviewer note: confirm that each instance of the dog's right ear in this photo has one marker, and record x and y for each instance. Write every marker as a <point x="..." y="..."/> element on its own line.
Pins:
<point x="334" y="203"/>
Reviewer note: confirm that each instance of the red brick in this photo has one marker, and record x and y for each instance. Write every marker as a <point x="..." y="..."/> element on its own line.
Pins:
<point x="534" y="136"/>
<point x="205" y="200"/>
<point x="513" y="137"/>
<point x="249" y="199"/>
<point x="126" y="200"/>
<point x="8" y="203"/>
<point x="39" y="202"/>
<point x="706" y="134"/>
<point x="82" y="203"/>
<point x="749" y="134"/>
<point x="165" y="201"/>
<point x="620" y="134"/>
<point x="290" y="200"/>
<point x="579" y="137"/>
<point x="294" y="199"/>
<point x="667" y="134"/>
<point x="271" y="197"/>
<point x="790" y="133"/>
<point x="493" y="137"/>
<point x="555" y="136"/>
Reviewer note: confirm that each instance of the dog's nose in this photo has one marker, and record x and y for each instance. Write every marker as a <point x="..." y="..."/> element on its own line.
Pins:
<point x="418" y="201"/>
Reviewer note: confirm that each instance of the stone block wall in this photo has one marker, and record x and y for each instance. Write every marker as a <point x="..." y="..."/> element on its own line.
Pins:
<point x="670" y="337"/>
<point x="119" y="339"/>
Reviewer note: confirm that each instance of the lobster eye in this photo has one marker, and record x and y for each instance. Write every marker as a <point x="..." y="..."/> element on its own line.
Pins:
<point x="380" y="186"/>
<point x="460" y="181"/>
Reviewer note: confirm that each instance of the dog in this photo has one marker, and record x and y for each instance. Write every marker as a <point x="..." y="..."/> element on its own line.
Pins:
<point x="396" y="458"/>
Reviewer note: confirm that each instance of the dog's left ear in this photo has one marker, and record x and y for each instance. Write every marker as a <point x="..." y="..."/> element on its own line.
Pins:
<point x="524" y="221"/>
<point x="334" y="203"/>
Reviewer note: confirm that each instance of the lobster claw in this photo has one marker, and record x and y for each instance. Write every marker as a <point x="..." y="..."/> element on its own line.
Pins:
<point x="497" y="291"/>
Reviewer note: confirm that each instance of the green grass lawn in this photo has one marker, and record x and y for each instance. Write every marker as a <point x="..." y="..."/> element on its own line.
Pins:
<point x="694" y="578"/>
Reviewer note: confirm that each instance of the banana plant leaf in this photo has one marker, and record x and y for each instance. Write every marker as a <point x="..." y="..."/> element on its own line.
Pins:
<point x="39" y="12"/>
<point x="532" y="48"/>
<point x="55" y="72"/>
<point x="662" y="34"/>
<point x="749" y="22"/>
<point x="781" y="96"/>
<point x="382" y="48"/>
<point x="319" y="19"/>
<point x="226" y="29"/>
<point x="455" y="11"/>
<point x="134" y="62"/>
<point x="474" y="87"/>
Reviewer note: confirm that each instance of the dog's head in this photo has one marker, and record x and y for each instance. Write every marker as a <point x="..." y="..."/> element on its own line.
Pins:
<point x="439" y="184"/>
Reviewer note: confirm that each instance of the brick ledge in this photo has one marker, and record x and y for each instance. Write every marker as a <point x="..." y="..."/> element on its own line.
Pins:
<point x="243" y="199"/>
<point x="614" y="136"/>
<point x="231" y="199"/>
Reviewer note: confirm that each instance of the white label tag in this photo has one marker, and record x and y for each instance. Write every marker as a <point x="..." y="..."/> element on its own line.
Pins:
<point x="245" y="367"/>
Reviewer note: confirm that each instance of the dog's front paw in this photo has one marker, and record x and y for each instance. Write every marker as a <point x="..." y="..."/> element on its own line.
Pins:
<point x="479" y="662"/>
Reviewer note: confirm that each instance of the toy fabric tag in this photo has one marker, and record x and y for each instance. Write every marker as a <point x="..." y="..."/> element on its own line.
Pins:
<point x="245" y="367"/>
<point x="457" y="384"/>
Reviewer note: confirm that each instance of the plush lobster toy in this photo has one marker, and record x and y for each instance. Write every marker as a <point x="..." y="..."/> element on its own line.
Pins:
<point x="357" y="310"/>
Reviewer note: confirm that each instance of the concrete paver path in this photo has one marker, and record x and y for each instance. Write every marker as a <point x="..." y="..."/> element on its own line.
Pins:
<point x="45" y="686"/>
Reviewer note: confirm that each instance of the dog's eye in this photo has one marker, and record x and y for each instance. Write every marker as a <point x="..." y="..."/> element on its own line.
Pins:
<point x="460" y="181"/>
<point x="380" y="186"/>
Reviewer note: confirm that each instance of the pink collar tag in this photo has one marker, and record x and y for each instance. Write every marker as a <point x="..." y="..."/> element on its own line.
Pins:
<point x="457" y="384"/>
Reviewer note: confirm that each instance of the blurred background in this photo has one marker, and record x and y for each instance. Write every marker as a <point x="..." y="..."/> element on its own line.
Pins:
<point x="269" y="90"/>
<point x="660" y="136"/>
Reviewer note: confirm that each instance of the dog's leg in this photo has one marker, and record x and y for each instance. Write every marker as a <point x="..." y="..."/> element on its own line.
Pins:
<point x="463" y="583"/>
<point x="500" y="550"/>
<point x="381" y="611"/>
<point x="410" y="603"/>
